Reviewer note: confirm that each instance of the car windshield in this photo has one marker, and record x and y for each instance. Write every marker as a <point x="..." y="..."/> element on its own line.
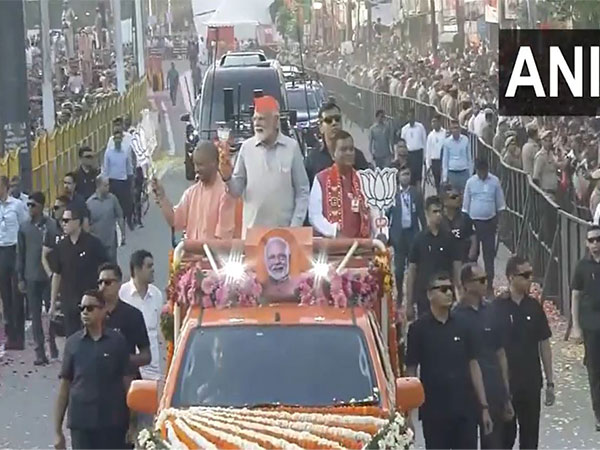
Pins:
<point x="268" y="82"/>
<point x="290" y="365"/>
<point x="297" y="100"/>
<point x="241" y="60"/>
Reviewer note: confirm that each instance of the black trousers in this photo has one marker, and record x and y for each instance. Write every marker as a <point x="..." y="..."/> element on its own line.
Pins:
<point x="99" y="438"/>
<point x="485" y="231"/>
<point x="591" y="342"/>
<point x="436" y="170"/>
<point x="173" y="94"/>
<point x="527" y="416"/>
<point x="454" y="433"/>
<point x="402" y="245"/>
<point x="38" y="293"/>
<point x="12" y="302"/>
<point x="415" y="162"/>
<point x="122" y="190"/>
<point x="495" y="439"/>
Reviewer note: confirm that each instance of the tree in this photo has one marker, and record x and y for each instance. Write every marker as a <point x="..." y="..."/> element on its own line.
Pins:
<point x="284" y="19"/>
<point x="582" y="13"/>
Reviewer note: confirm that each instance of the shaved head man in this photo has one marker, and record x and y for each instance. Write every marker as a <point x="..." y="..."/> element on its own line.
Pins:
<point x="206" y="210"/>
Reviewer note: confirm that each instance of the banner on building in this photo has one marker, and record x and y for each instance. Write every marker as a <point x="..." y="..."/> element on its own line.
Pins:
<point x="491" y="11"/>
<point x="511" y="9"/>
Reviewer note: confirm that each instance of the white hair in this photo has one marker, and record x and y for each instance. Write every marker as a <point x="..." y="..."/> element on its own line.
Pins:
<point x="277" y="240"/>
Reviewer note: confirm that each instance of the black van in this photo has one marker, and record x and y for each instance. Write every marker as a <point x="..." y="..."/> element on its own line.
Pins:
<point x="227" y="95"/>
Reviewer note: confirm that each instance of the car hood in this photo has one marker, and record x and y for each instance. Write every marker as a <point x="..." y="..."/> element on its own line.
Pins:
<point x="337" y="427"/>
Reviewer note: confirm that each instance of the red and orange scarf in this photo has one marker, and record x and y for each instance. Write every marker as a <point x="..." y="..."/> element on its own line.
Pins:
<point x="334" y="211"/>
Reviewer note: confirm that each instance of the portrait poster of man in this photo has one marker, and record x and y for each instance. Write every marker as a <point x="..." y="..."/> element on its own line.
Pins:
<point x="277" y="258"/>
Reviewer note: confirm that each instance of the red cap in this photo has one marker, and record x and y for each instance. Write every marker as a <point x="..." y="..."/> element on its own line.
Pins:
<point x="266" y="104"/>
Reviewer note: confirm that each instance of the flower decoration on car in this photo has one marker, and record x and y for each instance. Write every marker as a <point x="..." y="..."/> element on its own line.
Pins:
<point x="214" y="427"/>
<point x="339" y="290"/>
<point x="194" y="286"/>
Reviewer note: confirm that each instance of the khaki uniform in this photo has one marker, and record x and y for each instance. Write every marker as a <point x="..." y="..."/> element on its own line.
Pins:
<point x="530" y="149"/>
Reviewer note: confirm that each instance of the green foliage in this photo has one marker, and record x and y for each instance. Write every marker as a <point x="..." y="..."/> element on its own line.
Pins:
<point x="285" y="20"/>
<point x="583" y="13"/>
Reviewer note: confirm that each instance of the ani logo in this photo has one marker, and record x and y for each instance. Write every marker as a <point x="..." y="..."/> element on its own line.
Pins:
<point x="379" y="188"/>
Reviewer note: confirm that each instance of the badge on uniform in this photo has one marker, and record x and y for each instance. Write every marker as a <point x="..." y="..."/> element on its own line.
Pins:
<point x="355" y="204"/>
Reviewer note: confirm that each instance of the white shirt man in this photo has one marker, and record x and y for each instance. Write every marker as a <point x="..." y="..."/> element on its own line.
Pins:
<point x="435" y="141"/>
<point x="415" y="136"/>
<point x="150" y="304"/>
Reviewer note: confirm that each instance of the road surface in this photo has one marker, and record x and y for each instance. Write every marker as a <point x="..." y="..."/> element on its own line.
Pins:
<point x="27" y="393"/>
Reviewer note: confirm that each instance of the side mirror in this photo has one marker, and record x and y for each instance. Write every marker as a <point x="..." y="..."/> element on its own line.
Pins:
<point x="143" y="396"/>
<point x="409" y="394"/>
<point x="293" y="114"/>
<point x="185" y="117"/>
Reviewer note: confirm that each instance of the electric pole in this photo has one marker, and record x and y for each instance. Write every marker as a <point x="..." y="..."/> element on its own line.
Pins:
<point x="460" y="23"/>
<point x="140" y="38"/>
<point x="47" y="89"/>
<point x="434" y="30"/>
<point x="116" y="6"/>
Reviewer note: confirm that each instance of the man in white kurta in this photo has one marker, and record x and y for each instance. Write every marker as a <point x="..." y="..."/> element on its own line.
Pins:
<point x="269" y="173"/>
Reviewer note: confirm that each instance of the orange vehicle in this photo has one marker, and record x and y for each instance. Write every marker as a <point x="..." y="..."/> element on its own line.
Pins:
<point x="280" y="341"/>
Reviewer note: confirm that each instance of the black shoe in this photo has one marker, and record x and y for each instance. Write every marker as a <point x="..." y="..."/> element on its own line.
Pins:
<point x="598" y="425"/>
<point x="39" y="361"/>
<point x="14" y="345"/>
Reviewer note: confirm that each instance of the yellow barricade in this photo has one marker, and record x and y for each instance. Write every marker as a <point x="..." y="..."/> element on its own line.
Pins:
<point x="55" y="154"/>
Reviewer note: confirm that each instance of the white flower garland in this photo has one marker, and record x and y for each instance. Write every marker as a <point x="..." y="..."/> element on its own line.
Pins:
<point x="339" y="432"/>
<point x="320" y="418"/>
<point x="250" y="434"/>
<point x="245" y="428"/>
<point x="198" y="439"/>
<point x="396" y="435"/>
<point x="286" y="433"/>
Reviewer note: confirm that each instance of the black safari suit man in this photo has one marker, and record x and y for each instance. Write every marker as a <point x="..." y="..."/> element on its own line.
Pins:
<point x="407" y="218"/>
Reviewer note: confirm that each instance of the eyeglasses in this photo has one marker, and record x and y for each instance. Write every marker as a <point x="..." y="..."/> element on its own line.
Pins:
<point x="594" y="239"/>
<point x="88" y="156"/>
<point x="89" y="308"/>
<point x="526" y="275"/>
<point x="68" y="219"/>
<point x="330" y="119"/>
<point x="106" y="281"/>
<point x="443" y="289"/>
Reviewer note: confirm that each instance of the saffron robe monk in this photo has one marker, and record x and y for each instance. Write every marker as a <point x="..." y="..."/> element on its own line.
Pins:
<point x="337" y="205"/>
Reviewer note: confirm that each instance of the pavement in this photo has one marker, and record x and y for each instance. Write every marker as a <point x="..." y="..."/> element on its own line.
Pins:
<point x="28" y="393"/>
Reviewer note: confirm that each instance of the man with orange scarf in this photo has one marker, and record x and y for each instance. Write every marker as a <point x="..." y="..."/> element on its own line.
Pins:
<point x="337" y="205"/>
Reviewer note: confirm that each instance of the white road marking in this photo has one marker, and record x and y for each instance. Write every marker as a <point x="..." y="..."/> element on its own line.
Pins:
<point x="171" y="138"/>
<point x="186" y="86"/>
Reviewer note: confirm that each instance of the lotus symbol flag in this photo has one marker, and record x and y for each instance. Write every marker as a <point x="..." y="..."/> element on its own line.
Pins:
<point x="379" y="188"/>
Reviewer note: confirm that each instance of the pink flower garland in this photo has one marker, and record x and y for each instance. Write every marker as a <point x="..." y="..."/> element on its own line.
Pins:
<point x="212" y="290"/>
<point x="339" y="290"/>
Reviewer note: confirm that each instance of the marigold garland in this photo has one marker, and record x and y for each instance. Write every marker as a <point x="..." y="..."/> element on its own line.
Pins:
<point x="228" y="428"/>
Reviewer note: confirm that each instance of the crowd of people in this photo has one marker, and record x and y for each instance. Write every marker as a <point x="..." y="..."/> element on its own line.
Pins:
<point x="83" y="72"/>
<point x="559" y="153"/>
<point x="65" y="263"/>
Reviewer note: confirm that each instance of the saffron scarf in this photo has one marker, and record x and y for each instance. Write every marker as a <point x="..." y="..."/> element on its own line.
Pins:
<point x="334" y="211"/>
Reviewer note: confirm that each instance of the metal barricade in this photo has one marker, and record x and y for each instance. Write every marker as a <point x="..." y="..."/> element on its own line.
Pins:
<point x="55" y="154"/>
<point x="533" y="225"/>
